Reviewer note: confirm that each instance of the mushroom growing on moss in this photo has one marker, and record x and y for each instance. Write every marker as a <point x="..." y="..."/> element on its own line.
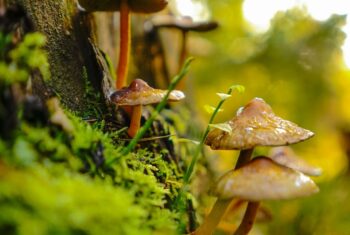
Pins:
<point x="124" y="6"/>
<point x="254" y="125"/>
<point x="139" y="93"/>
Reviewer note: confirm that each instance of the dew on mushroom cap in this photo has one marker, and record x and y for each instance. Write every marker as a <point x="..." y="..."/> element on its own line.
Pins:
<point x="257" y="125"/>
<point x="139" y="92"/>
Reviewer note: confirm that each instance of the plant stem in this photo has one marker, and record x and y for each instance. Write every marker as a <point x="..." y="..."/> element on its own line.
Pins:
<point x="248" y="219"/>
<point x="189" y="171"/>
<point x="182" y="56"/>
<point x="124" y="46"/>
<point x="212" y="220"/>
<point x="218" y="208"/>
<point x="154" y="114"/>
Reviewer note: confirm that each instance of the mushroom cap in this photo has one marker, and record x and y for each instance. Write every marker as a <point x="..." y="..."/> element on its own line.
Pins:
<point x="138" y="6"/>
<point x="263" y="179"/>
<point x="285" y="156"/>
<point x="140" y="93"/>
<point x="183" y="23"/>
<point x="257" y="125"/>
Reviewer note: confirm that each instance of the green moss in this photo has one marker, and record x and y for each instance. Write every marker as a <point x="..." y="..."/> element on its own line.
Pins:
<point x="54" y="180"/>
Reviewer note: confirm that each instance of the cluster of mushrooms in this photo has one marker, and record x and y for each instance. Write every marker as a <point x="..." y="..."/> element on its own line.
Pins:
<point x="280" y="176"/>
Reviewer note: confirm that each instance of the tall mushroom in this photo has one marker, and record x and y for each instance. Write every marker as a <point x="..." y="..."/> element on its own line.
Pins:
<point x="124" y="6"/>
<point x="254" y="125"/>
<point x="139" y="93"/>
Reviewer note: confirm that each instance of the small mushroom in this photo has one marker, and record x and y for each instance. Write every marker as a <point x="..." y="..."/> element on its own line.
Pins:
<point x="124" y="6"/>
<point x="263" y="179"/>
<point x="139" y="93"/>
<point x="257" y="125"/>
<point x="286" y="157"/>
<point x="260" y="179"/>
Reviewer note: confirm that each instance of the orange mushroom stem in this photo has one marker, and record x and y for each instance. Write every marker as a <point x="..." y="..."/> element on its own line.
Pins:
<point x="248" y="219"/>
<point x="135" y="120"/>
<point x="124" y="47"/>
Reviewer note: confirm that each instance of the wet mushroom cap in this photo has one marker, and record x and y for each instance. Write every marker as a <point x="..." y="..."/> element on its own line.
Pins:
<point x="140" y="93"/>
<point x="183" y="23"/>
<point x="137" y="6"/>
<point x="257" y="125"/>
<point x="263" y="179"/>
<point x="285" y="156"/>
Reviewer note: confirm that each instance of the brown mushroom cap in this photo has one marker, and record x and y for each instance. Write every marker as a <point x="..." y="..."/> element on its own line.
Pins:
<point x="257" y="125"/>
<point x="138" y="6"/>
<point x="285" y="156"/>
<point x="140" y="93"/>
<point x="183" y="23"/>
<point x="263" y="179"/>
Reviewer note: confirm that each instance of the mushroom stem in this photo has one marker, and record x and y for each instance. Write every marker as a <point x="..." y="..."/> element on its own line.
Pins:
<point x="124" y="45"/>
<point x="248" y="219"/>
<point x="244" y="157"/>
<point x="135" y="120"/>
<point x="182" y="56"/>
<point x="250" y="213"/>
<point x="214" y="217"/>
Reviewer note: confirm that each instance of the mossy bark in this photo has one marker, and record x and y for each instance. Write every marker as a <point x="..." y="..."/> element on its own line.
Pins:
<point x="70" y="49"/>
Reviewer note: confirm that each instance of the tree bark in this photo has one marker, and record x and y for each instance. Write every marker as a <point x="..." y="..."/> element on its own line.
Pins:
<point x="71" y="52"/>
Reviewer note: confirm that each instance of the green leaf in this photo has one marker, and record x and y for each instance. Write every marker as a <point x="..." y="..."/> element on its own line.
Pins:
<point x="210" y="109"/>
<point x="223" y="96"/>
<point x="185" y="140"/>
<point x="222" y="126"/>
<point x="238" y="88"/>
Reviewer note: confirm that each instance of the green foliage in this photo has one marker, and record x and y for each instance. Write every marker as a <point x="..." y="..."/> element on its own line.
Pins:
<point x="25" y="57"/>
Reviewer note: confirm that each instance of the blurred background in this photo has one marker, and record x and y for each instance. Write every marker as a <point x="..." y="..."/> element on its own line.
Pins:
<point x="296" y="56"/>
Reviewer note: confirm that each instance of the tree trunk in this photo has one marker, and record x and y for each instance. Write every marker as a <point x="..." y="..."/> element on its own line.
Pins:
<point x="75" y="61"/>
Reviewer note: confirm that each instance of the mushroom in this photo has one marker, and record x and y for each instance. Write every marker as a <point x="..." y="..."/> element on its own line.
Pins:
<point x="257" y="125"/>
<point x="139" y="93"/>
<point x="260" y="179"/>
<point x="254" y="125"/>
<point x="124" y="6"/>
<point x="286" y="157"/>
<point x="184" y="24"/>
